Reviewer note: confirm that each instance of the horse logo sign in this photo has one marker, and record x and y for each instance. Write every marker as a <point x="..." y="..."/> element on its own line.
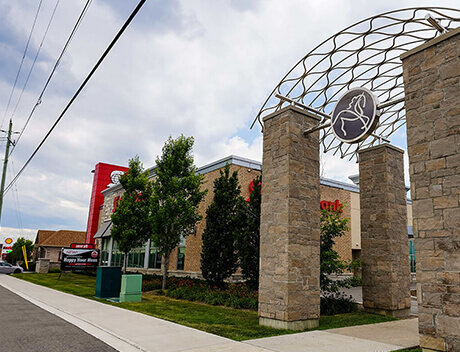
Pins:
<point x="355" y="115"/>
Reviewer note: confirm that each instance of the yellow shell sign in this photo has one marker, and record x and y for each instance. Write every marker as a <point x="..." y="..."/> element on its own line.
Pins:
<point x="8" y="241"/>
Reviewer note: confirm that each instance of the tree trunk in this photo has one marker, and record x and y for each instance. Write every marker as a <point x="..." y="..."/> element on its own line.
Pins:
<point x="165" y="271"/>
<point x="125" y="262"/>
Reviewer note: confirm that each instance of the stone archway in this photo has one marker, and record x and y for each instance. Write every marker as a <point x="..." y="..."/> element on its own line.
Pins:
<point x="432" y="84"/>
<point x="289" y="279"/>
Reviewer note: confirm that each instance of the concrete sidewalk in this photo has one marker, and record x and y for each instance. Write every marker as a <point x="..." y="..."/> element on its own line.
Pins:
<point x="129" y="331"/>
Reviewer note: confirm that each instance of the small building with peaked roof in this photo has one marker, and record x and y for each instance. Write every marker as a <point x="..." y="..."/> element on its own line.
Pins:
<point x="49" y="243"/>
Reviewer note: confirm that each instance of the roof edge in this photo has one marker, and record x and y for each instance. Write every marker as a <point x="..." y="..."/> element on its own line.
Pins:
<point x="250" y="164"/>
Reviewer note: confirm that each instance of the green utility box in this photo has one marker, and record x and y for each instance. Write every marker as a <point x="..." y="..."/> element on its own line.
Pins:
<point x="108" y="281"/>
<point x="131" y="288"/>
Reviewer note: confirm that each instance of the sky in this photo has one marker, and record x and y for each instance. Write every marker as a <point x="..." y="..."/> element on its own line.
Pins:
<point x="198" y="68"/>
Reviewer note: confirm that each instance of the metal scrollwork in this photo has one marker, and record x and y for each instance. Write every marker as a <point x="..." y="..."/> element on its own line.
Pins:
<point x="365" y="54"/>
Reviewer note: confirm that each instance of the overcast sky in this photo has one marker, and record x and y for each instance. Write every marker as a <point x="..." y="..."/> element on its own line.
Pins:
<point x="201" y="68"/>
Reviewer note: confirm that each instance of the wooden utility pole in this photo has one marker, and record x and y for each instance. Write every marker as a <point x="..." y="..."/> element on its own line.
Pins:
<point x="5" y="164"/>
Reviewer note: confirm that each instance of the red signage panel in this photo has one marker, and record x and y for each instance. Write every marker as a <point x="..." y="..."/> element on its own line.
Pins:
<point x="102" y="178"/>
<point x="82" y="246"/>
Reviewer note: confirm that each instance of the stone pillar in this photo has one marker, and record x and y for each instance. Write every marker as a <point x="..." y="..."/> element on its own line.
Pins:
<point x="431" y="83"/>
<point x="42" y="266"/>
<point x="289" y="291"/>
<point x="384" y="239"/>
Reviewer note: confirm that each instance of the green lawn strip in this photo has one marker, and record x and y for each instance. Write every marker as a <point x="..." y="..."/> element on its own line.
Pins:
<point x="235" y="324"/>
<point x="410" y="350"/>
<point x="351" y="319"/>
<point x="76" y="284"/>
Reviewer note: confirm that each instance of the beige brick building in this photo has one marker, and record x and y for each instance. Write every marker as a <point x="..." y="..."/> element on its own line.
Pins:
<point x="185" y="261"/>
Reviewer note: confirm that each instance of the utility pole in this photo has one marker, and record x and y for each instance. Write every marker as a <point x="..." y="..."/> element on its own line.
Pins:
<point x="5" y="164"/>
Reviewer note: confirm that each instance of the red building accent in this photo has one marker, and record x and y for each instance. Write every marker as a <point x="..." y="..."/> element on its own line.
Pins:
<point x="101" y="180"/>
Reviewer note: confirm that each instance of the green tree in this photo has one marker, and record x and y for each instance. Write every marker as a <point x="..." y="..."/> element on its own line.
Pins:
<point x="176" y="196"/>
<point x="132" y="220"/>
<point x="248" y="239"/>
<point x="16" y="251"/>
<point x="218" y="253"/>
<point x="332" y="226"/>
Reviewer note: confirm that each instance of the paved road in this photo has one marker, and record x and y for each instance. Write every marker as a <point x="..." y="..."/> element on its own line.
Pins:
<point x="26" y="327"/>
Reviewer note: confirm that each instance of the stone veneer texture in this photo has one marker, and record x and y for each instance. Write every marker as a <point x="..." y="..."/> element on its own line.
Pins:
<point x="431" y="78"/>
<point x="385" y="249"/>
<point x="289" y="293"/>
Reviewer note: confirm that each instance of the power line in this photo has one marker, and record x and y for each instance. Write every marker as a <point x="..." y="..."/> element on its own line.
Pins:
<point x="101" y="59"/>
<point x="16" y="203"/>
<point x="39" y="100"/>
<point x="22" y="61"/>
<point x="35" y="58"/>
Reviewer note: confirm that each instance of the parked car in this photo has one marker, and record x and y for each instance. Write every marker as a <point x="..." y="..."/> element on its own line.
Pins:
<point x="7" y="268"/>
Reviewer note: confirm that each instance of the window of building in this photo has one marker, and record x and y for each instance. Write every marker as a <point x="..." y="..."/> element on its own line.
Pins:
<point x="154" y="259"/>
<point x="180" y="258"/>
<point x="181" y="254"/>
<point x="412" y="255"/>
<point x="117" y="256"/>
<point x="105" y="251"/>
<point x="136" y="258"/>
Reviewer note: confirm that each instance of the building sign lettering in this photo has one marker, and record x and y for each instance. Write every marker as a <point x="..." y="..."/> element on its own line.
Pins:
<point x="79" y="259"/>
<point x="324" y="204"/>
<point x="331" y="206"/>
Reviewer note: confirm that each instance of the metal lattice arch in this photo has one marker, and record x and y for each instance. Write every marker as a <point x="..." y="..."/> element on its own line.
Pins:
<point x="365" y="54"/>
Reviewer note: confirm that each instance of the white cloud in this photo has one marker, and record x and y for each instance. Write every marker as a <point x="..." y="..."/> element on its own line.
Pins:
<point x="336" y="168"/>
<point x="192" y="67"/>
<point x="238" y="146"/>
<point x="14" y="233"/>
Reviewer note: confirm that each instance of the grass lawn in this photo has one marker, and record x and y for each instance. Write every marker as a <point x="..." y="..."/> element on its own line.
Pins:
<point x="235" y="324"/>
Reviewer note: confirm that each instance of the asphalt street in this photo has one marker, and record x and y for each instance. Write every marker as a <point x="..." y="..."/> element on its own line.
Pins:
<point x="26" y="327"/>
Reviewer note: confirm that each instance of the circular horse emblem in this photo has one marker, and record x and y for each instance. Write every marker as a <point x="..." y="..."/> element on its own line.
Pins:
<point x="355" y="115"/>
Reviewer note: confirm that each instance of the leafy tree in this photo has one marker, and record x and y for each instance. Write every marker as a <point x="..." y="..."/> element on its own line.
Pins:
<point x="16" y="251"/>
<point x="218" y="254"/>
<point x="248" y="239"/>
<point x="176" y="196"/>
<point x="132" y="221"/>
<point x="333" y="226"/>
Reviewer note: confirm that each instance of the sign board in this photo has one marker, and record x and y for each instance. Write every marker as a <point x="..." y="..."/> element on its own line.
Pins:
<point x="82" y="246"/>
<point x="7" y="246"/>
<point x="79" y="259"/>
<point x="355" y="115"/>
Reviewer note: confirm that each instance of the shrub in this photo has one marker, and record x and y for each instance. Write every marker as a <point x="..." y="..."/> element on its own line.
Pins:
<point x="31" y="266"/>
<point x="353" y="281"/>
<point x="150" y="286"/>
<point x="234" y="295"/>
<point x="92" y="273"/>
<point x="337" y="303"/>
